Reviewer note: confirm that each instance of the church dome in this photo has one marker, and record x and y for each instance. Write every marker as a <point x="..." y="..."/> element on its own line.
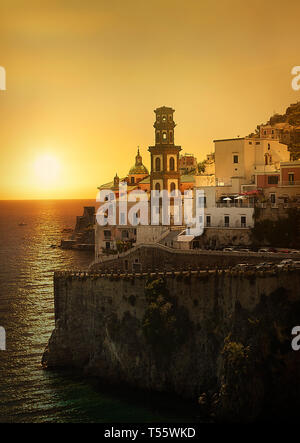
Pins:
<point x="138" y="168"/>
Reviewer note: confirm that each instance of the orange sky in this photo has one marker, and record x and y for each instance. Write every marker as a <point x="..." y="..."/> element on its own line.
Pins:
<point x="83" y="79"/>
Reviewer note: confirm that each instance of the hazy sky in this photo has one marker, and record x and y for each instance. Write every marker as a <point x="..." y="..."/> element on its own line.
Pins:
<point x="83" y="79"/>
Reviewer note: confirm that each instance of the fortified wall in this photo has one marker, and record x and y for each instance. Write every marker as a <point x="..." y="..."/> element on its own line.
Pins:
<point x="223" y="336"/>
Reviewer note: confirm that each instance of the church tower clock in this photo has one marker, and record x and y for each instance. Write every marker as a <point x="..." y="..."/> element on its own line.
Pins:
<point x="164" y="155"/>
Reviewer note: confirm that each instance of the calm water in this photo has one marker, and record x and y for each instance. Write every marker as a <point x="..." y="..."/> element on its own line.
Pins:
<point x="27" y="393"/>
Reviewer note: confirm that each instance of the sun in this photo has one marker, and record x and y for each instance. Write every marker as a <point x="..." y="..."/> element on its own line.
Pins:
<point x="47" y="168"/>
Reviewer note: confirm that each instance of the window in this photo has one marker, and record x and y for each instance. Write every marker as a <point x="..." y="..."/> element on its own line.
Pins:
<point x="208" y="221"/>
<point x="157" y="136"/>
<point x="107" y="234"/>
<point x="164" y="118"/>
<point x="273" y="198"/>
<point x="172" y="164"/>
<point x="265" y="132"/>
<point x="171" y="137"/>
<point x="250" y="143"/>
<point x="226" y="221"/>
<point x="172" y="187"/>
<point x="269" y="146"/>
<point x="243" y="221"/>
<point x="257" y="143"/>
<point x="157" y="164"/>
<point x="202" y="202"/>
<point x="107" y="245"/>
<point x="291" y="178"/>
<point x="126" y="265"/>
<point x="170" y="117"/>
<point x="164" y="135"/>
<point x="124" y="234"/>
<point x="122" y="218"/>
<point x="157" y="187"/>
<point x="132" y="180"/>
<point x="266" y="159"/>
<point x="273" y="179"/>
<point x="235" y="158"/>
<point x="136" y="267"/>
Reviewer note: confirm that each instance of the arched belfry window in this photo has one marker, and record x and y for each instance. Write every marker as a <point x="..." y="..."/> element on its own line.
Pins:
<point x="172" y="164"/>
<point x="266" y="159"/>
<point x="157" y="137"/>
<point x="172" y="187"/>
<point x="157" y="164"/>
<point x="157" y="187"/>
<point x="171" y="136"/>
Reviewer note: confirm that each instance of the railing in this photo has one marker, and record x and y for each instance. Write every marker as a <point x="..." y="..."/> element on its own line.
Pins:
<point x="237" y="204"/>
<point x="289" y="183"/>
<point x="220" y="183"/>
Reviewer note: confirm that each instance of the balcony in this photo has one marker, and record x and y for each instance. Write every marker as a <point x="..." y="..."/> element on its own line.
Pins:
<point x="289" y="183"/>
<point x="223" y="183"/>
<point x="235" y="204"/>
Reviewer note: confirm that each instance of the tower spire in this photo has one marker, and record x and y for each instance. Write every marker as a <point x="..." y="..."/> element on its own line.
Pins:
<point x="164" y="154"/>
<point x="138" y="158"/>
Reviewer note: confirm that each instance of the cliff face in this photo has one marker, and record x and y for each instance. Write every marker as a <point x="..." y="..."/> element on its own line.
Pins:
<point x="225" y="334"/>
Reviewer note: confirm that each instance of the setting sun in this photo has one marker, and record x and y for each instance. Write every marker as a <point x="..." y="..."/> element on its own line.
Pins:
<point x="47" y="169"/>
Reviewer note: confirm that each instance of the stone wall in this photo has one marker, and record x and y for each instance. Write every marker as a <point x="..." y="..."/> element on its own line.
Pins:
<point x="157" y="257"/>
<point x="100" y="328"/>
<point x="222" y="237"/>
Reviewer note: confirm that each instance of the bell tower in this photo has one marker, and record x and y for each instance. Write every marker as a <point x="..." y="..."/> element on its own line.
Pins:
<point x="164" y="155"/>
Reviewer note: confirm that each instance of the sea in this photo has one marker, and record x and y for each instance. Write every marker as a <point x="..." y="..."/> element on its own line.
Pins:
<point x="30" y="232"/>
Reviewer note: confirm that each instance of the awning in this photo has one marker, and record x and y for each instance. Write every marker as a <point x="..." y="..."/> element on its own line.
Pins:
<point x="255" y="192"/>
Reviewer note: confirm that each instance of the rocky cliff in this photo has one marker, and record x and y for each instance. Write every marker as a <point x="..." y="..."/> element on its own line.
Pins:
<point x="223" y="337"/>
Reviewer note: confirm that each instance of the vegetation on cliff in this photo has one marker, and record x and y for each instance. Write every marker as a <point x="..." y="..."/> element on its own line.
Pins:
<point x="283" y="232"/>
<point x="165" y="324"/>
<point x="260" y="373"/>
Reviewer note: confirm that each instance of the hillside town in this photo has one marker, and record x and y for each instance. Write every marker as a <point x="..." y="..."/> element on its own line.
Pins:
<point x="251" y="189"/>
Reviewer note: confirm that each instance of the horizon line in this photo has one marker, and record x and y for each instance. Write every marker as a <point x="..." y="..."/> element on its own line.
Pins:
<point x="39" y="199"/>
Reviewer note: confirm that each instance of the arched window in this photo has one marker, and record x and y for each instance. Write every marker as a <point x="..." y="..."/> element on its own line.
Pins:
<point x="157" y="164"/>
<point x="157" y="187"/>
<point x="172" y="164"/>
<point x="266" y="159"/>
<point x="171" y="137"/>
<point x="157" y="137"/>
<point x="172" y="187"/>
